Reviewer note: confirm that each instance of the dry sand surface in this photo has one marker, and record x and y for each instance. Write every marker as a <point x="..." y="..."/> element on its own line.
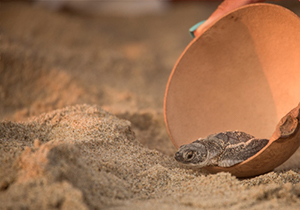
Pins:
<point x="82" y="126"/>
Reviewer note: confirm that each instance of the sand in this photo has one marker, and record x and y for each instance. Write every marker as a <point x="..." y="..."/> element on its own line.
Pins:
<point x="82" y="123"/>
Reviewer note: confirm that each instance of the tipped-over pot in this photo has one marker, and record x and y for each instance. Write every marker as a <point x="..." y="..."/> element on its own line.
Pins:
<point x="242" y="73"/>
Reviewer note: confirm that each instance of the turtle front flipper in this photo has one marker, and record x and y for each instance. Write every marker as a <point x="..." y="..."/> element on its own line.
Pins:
<point x="237" y="153"/>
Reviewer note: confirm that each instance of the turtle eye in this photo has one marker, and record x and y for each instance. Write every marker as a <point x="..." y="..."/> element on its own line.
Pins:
<point x="189" y="155"/>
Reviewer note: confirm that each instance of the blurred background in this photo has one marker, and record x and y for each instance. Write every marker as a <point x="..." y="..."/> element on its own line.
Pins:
<point x="116" y="54"/>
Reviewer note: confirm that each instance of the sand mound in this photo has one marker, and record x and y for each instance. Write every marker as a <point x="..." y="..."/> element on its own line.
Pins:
<point x="83" y="157"/>
<point x="87" y="149"/>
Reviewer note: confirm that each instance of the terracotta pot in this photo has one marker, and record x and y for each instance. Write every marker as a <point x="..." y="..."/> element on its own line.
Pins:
<point x="242" y="73"/>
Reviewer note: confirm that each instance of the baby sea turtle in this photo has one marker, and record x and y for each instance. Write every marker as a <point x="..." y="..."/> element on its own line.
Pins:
<point x="222" y="149"/>
<point x="241" y="154"/>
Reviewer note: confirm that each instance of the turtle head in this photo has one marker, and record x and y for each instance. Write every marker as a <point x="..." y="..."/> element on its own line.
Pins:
<point x="193" y="154"/>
